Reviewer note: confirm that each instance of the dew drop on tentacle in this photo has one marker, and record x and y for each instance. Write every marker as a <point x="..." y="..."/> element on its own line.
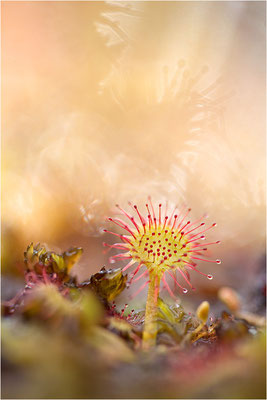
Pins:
<point x="185" y="290"/>
<point x="210" y="277"/>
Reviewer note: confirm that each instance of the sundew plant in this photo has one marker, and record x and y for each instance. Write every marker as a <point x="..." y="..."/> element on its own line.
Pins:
<point x="162" y="244"/>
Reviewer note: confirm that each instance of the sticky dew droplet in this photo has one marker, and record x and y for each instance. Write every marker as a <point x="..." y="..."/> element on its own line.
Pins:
<point x="185" y="290"/>
<point x="210" y="277"/>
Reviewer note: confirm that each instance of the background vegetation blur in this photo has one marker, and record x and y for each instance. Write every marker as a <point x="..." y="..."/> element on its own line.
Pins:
<point x="106" y="102"/>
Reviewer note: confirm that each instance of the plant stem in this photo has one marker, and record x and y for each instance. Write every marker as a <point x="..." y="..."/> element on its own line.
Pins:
<point x="150" y="328"/>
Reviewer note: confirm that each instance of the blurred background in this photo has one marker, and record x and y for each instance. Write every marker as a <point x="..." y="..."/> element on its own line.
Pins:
<point x="109" y="102"/>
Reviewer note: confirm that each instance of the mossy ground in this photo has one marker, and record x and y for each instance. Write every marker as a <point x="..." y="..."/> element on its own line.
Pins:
<point x="64" y="339"/>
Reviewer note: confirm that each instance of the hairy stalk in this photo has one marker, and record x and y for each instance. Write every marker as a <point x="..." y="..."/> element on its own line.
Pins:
<point x="150" y="328"/>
